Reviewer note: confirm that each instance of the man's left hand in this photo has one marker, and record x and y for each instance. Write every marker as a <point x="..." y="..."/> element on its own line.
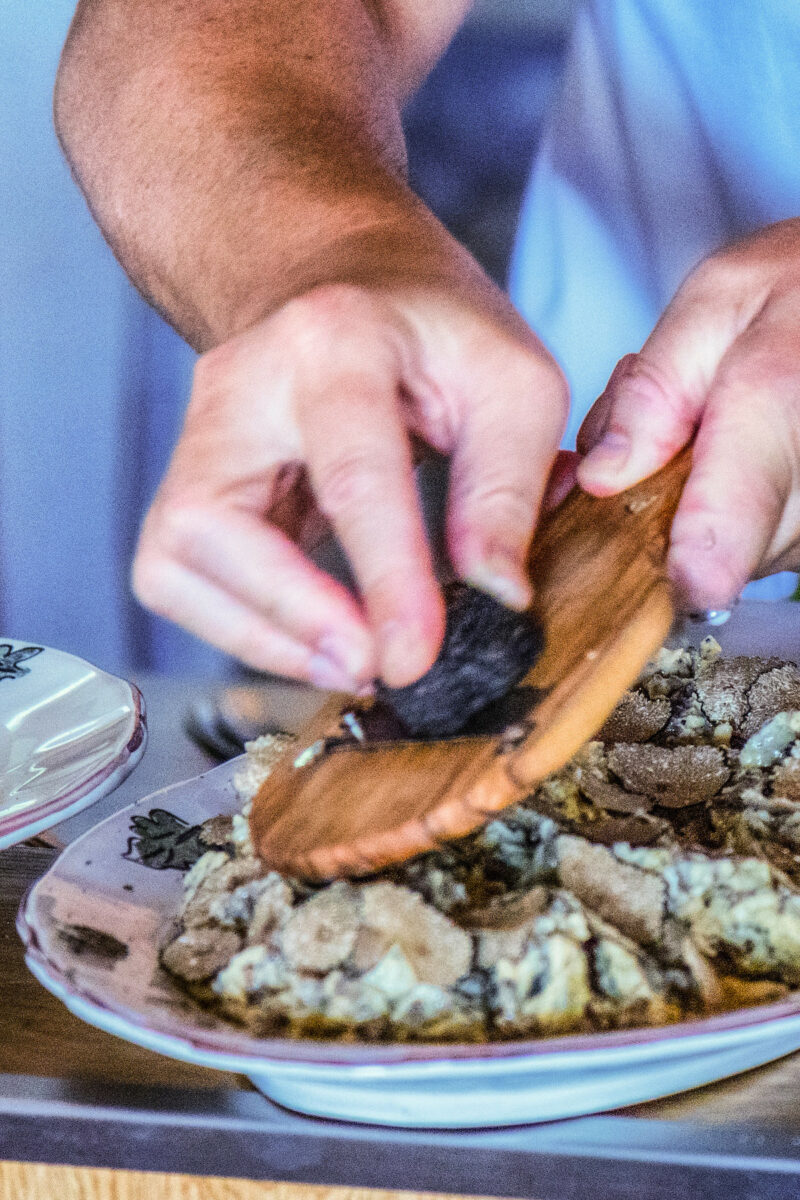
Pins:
<point x="723" y="364"/>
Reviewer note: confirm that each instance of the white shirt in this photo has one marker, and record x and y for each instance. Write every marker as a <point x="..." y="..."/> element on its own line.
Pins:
<point x="675" y="130"/>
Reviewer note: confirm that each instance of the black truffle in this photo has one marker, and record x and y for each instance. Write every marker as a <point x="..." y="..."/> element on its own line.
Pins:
<point x="487" y="648"/>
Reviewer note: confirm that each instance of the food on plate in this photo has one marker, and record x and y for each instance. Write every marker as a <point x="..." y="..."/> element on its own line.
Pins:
<point x="655" y="878"/>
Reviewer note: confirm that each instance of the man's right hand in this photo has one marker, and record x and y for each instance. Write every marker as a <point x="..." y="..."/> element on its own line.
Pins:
<point x="246" y="163"/>
<point x="304" y="422"/>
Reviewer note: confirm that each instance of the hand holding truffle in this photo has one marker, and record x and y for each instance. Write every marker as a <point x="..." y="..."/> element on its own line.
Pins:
<point x="303" y="423"/>
<point x="724" y="361"/>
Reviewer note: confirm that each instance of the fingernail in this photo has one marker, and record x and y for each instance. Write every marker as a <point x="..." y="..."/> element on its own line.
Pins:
<point x="703" y="580"/>
<point x="499" y="576"/>
<point x="399" y="649"/>
<point x="610" y="454"/>
<point x="329" y="676"/>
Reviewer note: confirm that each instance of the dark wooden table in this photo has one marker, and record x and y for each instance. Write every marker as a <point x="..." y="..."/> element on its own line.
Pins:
<point x="72" y="1095"/>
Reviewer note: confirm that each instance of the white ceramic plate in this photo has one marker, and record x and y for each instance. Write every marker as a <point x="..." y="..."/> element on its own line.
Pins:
<point x="92" y="925"/>
<point x="69" y="734"/>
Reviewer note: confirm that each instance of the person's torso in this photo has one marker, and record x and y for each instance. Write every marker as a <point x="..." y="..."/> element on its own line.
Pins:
<point x="676" y="129"/>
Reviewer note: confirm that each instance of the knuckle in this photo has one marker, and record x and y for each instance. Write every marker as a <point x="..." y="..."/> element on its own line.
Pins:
<point x="148" y="581"/>
<point x="644" y="386"/>
<point x="718" y="274"/>
<point x="213" y="370"/>
<point x="733" y="279"/>
<point x="504" y="502"/>
<point x="625" y="364"/>
<point x="532" y="373"/>
<point x="174" y="530"/>
<point x="538" y="376"/>
<point x="348" y="482"/>
<point x="640" y="376"/>
<point x="767" y="373"/>
<point x="324" y="316"/>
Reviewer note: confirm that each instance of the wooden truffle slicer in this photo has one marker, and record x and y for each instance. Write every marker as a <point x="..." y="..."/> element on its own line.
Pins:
<point x="604" y="603"/>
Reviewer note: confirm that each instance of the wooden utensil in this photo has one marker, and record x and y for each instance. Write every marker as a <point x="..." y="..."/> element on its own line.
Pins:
<point x="603" y="600"/>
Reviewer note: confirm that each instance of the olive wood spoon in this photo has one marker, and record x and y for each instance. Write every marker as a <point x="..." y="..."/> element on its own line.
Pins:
<point x="605" y="605"/>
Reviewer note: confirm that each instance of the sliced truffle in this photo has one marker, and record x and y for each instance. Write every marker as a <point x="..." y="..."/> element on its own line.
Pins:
<point x="592" y="777"/>
<point x="507" y="942"/>
<point x="675" y="776"/>
<point x="508" y="911"/>
<point x="553" y="912"/>
<point x="626" y="897"/>
<point x="320" y="934"/>
<point x="487" y="648"/>
<point x="580" y="798"/>
<point x="637" y="829"/>
<point x="612" y="797"/>
<point x="436" y="949"/>
<point x="773" y="692"/>
<point x="530" y="925"/>
<point x="723" y="685"/>
<point x="197" y="954"/>
<point x="636" y="718"/>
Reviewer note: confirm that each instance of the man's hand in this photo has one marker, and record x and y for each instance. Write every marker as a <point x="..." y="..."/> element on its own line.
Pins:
<point x="245" y="161"/>
<point x="724" y="361"/>
<point x="303" y="422"/>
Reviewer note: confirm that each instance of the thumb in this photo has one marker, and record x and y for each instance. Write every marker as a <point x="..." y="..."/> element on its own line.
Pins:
<point x="654" y="399"/>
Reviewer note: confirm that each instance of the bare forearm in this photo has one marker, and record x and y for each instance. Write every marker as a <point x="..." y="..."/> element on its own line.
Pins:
<point x="237" y="153"/>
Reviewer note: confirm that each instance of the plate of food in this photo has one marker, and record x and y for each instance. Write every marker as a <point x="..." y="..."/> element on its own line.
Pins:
<point x="69" y="734"/>
<point x="632" y="929"/>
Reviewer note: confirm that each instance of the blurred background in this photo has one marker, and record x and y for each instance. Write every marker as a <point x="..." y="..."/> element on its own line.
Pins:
<point x="93" y="383"/>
